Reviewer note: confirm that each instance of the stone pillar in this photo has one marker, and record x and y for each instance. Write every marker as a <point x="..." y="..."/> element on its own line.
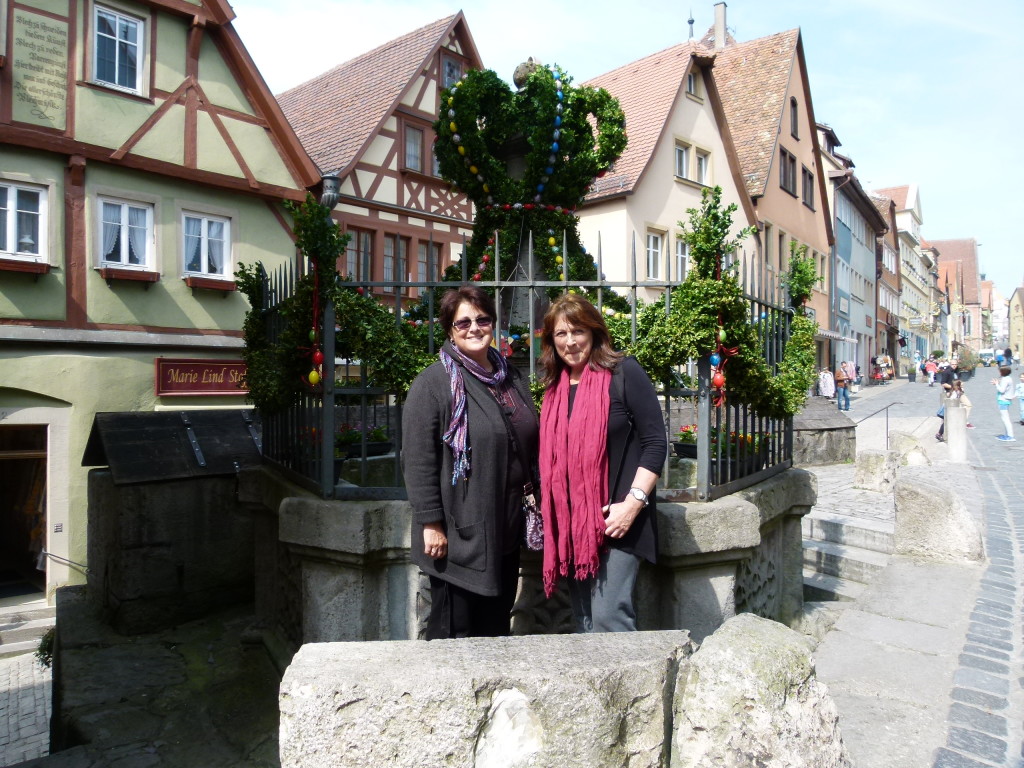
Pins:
<point x="956" y="430"/>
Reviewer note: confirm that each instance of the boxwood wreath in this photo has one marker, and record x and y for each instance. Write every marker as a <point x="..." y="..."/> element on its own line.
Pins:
<point x="481" y="122"/>
<point x="278" y="372"/>
<point x="708" y="316"/>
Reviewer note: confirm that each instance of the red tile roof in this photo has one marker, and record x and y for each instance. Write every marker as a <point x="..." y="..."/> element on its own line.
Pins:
<point x="897" y="194"/>
<point x="336" y="113"/>
<point x="647" y="90"/>
<point x="753" y="78"/>
<point x="965" y="252"/>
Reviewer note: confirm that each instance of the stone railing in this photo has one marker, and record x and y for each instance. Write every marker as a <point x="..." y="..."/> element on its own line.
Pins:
<point x="355" y="582"/>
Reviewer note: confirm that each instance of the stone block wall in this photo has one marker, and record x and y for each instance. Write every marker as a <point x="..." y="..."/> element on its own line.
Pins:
<point x="164" y="553"/>
<point x="718" y="558"/>
<point x="642" y="699"/>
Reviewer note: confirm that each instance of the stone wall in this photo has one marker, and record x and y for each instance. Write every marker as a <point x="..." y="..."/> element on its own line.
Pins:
<point x="164" y="553"/>
<point x="642" y="699"/>
<point x="823" y="435"/>
<point x="355" y="581"/>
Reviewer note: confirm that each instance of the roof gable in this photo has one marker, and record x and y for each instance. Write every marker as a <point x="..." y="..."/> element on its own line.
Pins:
<point x="647" y="90"/>
<point x="966" y="253"/>
<point x="753" y="79"/>
<point x="337" y="113"/>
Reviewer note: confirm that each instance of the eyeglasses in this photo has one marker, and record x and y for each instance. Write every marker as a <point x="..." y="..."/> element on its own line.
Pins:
<point x="483" y="323"/>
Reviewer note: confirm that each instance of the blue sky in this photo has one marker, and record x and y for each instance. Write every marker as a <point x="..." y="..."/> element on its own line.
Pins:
<point x="918" y="91"/>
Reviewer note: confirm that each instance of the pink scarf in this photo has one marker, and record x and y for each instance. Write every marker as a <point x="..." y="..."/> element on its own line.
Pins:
<point x="574" y="476"/>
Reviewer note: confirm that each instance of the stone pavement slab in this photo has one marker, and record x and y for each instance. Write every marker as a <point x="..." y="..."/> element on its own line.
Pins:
<point x="24" y="709"/>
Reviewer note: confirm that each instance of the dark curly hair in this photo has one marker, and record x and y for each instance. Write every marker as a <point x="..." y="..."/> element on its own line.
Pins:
<point x="470" y="294"/>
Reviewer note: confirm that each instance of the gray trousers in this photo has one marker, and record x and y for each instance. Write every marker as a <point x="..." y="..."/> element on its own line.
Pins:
<point x="605" y="603"/>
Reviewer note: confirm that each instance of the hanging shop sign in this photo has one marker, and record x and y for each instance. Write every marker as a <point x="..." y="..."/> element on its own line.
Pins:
<point x="177" y="377"/>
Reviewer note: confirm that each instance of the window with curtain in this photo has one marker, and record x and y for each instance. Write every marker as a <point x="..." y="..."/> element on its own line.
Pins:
<point x="653" y="254"/>
<point x="207" y="245"/>
<point x="358" y="254"/>
<point x="126" y="232"/>
<point x="22" y="220"/>
<point x="413" y="149"/>
<point x="682" y="259"/>
<point x="682" y="158"/>
<point x="117" y="49"/>
<point x="703" y="168"/>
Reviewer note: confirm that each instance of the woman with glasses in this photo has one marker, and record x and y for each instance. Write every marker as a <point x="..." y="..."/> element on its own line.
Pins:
<point x="602" y="447"/>
<point x="469" y="450"/>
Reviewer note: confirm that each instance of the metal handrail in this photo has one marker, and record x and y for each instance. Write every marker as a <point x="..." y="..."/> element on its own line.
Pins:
<point x="886" y="409"/>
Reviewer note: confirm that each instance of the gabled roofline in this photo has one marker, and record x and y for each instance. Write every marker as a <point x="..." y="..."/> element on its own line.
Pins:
<point x="711" y="87"/>
<point x="815" y="145"/>
<point x="256" y="89"/>
<point x="458" y="18"/>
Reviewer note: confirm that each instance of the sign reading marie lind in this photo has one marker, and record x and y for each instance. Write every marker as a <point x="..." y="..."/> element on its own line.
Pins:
<point x="176" y="377"/>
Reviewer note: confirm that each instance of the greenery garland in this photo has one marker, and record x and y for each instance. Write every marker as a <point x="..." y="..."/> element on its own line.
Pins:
<point x="277" y="372"/>
<point x="709" y="316"/>
<point x="481" y="122"/>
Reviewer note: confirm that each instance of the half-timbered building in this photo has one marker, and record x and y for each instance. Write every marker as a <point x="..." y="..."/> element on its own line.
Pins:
<point x="368" y="122"/>
<point x="142" y="160"/>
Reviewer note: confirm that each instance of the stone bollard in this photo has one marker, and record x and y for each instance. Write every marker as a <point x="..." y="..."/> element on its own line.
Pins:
<point x="956" y="430"/>
<point x="908" y="449"/>
<point x="749" y="697"/>
<point x="565" y="700"/>
<point x="931" y="518"/>
<point x="876" y="470"/>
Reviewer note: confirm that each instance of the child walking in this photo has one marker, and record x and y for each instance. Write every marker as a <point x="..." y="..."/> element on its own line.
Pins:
<point x="1005" y="392"/>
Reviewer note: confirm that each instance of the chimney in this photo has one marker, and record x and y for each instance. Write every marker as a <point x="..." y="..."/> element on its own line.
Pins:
<point x="719" y="26"/>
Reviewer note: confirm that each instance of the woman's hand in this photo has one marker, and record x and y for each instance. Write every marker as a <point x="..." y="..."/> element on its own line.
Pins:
<point x="619" y="517"/>
<point x="435" y="543"/>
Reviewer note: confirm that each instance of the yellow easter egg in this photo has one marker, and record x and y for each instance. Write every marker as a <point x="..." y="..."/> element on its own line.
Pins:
<point x="558" y="259"/>
<point x="453" y="126"/>
<point x="314" y="377"/>
<point x="462" y="150"/>
<point x="472" y="169"/>
<point x="551" y="241"/>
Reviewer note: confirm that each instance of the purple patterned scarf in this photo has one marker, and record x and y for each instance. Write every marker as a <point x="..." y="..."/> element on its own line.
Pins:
<point x="458" y="430"/>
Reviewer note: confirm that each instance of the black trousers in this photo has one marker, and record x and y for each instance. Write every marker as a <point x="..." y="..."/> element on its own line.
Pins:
<point x="457" y="612"/>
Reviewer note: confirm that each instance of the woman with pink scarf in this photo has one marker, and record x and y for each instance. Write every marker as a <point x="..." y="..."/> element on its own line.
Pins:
<point x="602" y="447"/>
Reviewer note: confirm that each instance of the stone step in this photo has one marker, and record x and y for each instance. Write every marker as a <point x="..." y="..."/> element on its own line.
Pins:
<point x="821" y="587"/>
<point x="7" y="650"/>
<point x="875" y="535"/>
<point x="852" y="563"/>
<point x="25" y="630"/>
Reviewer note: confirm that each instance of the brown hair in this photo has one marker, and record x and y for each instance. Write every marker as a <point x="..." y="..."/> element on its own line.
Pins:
<point x="1004" y="370"/>
<point x="579" y="313"/>
<point x="469" y="294"/>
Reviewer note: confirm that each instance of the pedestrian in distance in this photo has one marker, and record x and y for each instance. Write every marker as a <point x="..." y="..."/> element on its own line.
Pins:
<point x="602" y="447"/>
<point x="1005" y="392"/>
<point x="842" y="380"/>
<point x="1019" y="392"/>
<point x="950" y="392"/>
<point x="930" y="367"/>
<point x="1008" y="357"/>
<point x="470" y="434"/>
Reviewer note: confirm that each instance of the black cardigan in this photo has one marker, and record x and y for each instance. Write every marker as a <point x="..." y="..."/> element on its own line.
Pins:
<point x="471" y="511"/>
<point x="645" y="444"/>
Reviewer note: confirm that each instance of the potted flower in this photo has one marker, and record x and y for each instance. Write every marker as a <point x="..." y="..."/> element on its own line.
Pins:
<point x="685" y="444"/>
<point x="348" y="441"/>
<point x="749" y="446"/>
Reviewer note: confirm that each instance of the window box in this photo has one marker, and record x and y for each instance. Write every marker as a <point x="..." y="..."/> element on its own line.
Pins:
<point x="17" y="265"/>
<point x="210" y="284"/>
<point x="110" y="274"/>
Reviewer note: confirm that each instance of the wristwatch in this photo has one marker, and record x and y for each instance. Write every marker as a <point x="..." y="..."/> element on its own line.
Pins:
<point x="639" y="495"/>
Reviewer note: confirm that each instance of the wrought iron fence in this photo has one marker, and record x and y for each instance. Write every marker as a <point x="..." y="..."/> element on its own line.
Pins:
<point x="331" y="441"/>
